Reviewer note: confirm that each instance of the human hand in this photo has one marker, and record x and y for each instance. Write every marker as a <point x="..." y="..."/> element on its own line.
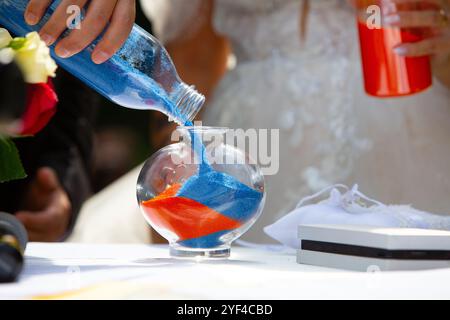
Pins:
<point x="48" y="208"/>
<point x="432" y="15"/>
<point x="114" y="16"/>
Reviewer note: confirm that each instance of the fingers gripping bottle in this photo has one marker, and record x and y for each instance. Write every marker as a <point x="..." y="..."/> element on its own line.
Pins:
<point x="140" y="75"/>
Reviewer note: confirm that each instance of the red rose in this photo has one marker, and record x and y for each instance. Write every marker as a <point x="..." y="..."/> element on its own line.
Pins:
<point x="41" y="104"/>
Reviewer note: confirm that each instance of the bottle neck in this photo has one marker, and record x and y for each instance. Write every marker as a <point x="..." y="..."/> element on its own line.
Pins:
<point x="188" y="102"/>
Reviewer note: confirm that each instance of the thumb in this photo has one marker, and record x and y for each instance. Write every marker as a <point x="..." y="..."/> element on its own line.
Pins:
<point x="47" y="179"/>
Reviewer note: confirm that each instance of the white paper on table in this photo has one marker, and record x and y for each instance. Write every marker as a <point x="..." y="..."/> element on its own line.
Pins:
<point x="147" y="272"/>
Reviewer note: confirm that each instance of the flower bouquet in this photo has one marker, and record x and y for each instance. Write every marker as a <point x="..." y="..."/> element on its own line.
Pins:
<point x="28" y="100"/>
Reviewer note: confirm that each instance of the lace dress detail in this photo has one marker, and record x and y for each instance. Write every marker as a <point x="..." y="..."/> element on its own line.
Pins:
<point x="330" y="131"/>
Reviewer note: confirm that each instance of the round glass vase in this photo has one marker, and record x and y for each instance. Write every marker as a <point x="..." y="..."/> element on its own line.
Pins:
<point x="201" y="193"/>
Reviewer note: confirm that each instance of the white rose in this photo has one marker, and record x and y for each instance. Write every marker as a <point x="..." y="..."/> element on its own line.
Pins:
<point x="6" y="54"/>
<point x="5" y="38"/>
<point x="33" y="58"/>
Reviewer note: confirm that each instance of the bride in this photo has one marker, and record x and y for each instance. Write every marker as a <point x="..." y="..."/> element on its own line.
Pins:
<point x="297" y="68"/>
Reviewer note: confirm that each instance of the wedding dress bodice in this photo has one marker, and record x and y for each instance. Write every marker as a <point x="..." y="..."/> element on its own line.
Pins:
<point x="259" y="29"/>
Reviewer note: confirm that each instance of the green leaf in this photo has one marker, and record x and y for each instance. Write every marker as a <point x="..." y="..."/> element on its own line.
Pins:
<point x="10" y="165"/>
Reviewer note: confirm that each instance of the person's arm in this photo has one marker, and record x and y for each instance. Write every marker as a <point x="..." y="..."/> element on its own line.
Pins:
<point x="113" y="17"/>
<point x="441" y="69"/>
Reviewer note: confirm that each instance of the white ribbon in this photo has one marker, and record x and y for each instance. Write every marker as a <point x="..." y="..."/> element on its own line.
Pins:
<point x="353" y="201"/>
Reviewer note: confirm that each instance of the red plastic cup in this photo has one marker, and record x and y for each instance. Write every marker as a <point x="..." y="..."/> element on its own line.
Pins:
<point x="386" y="74"/>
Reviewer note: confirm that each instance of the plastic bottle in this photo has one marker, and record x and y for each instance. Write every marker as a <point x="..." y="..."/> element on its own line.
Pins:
<point x="140" y="75"/>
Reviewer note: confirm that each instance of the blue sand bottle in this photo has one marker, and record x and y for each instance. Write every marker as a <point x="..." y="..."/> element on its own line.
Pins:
<point x="140" y="75"/>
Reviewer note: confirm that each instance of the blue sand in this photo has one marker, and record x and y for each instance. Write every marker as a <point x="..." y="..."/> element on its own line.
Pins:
<point x="222" y="193"/>
<point x="206" y="242"/>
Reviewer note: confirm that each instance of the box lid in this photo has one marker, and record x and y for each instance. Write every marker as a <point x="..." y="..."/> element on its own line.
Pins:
<point x="377" y="237"/>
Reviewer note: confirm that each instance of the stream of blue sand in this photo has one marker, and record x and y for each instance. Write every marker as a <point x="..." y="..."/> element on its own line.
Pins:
<point x="220" y="192"/>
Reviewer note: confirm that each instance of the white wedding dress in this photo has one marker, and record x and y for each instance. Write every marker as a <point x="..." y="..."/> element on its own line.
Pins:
<point x="397" y="150"/>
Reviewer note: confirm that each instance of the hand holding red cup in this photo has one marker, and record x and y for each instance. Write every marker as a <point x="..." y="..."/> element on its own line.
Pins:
<point x="397" y="50"/>
<point x="431" y="15"/>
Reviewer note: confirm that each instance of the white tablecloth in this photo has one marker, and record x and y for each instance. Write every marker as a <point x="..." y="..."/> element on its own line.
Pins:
<point x="147" y="272"/>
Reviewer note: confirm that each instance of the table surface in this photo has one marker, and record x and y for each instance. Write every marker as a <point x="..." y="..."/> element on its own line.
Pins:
<point x="71" y="271"/>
